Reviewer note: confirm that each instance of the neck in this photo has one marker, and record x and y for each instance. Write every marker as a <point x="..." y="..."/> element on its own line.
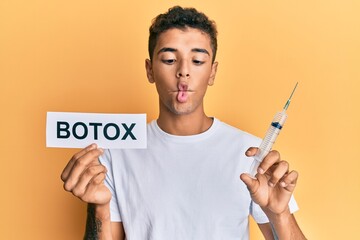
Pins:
<point x="184" y="124"/>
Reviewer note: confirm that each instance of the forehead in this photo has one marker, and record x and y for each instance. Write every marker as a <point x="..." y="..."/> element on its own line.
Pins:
<point x="184" y="39"/>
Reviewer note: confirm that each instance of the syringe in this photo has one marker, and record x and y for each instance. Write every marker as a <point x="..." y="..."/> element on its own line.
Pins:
<point x="271" y="135"/>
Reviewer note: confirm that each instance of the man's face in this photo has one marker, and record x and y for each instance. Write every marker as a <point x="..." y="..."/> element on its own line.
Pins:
<point x="182" y="69"/>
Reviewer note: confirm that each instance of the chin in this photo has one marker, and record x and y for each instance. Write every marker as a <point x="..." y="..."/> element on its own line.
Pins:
<point x="181" y="109"/>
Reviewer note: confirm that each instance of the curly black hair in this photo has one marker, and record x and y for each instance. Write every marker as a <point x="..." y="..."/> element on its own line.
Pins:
<point x="178" y="17"/>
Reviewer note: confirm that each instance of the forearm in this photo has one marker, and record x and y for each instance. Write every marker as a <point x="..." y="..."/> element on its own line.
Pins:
<point x="98" y="225"/>
<point x="285" y="226"/>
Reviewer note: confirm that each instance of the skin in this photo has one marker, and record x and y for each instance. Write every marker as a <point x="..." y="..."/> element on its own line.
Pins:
<point x="182" y="69"/>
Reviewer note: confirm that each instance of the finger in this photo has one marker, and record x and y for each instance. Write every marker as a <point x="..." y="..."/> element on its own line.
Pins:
<point x="270" y="159"/>
<point x="79" y="166"/>
<point x="289" y="181"/>
<point x="278" y="172"/>
<point x="94" y="192"/>
<point x="87" y="176"/>
<point x="251" y="151"/>
<point x="99" y="179"/>
<point x="251" y="183"/>
<point x="69" y="166"/>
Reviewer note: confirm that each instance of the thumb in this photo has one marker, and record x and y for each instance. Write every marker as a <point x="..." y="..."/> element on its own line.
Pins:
<point x="251" y="183"/>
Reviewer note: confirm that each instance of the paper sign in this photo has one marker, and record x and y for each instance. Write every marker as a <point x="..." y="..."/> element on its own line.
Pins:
<point x="78" y="130"/>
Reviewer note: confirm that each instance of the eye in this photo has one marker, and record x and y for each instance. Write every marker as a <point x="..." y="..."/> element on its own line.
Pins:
<point x="198" y="62"/>
<point x="168" y="61"/>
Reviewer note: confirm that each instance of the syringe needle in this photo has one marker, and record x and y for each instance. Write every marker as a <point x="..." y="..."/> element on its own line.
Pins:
<point x="289" y="100"/>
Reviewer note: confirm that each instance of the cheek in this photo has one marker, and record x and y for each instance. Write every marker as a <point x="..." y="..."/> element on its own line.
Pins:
<point x="202" y="78"/>
<point x="201" y="87"/>
<point x="163" y="75"/>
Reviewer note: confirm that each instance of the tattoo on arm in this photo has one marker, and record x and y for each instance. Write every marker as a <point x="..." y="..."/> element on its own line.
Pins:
<point x="93" y="224"/>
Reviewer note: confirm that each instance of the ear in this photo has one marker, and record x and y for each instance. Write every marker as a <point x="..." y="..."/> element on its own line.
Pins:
<point x="213" y="73"/>
<point x="149" y="71"/>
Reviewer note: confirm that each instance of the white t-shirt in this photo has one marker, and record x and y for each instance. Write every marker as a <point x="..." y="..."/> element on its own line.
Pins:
<point x="184" y="187"/>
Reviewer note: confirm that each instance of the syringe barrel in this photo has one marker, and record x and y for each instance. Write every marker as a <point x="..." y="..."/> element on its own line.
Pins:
<point x="268" y="141"/>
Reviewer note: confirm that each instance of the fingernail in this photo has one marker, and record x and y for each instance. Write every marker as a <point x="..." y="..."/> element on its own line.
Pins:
<point x="247" y="152"/>
<point x="101" y="150"/>
<point x="271" y="184"/>
<point x="283" y="184"/>
<point x="261" y="171"/>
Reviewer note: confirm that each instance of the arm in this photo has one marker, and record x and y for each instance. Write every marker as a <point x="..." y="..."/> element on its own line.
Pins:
<point x="98" y="225"/>
<point x="285" y="226"/>
<point x="272" y="190"/>
<point x="267" y="231"/>
<point x="287" y="229"/>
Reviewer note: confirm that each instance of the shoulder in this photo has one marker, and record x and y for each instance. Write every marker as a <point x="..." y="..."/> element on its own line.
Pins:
<point x="234" y="132"/>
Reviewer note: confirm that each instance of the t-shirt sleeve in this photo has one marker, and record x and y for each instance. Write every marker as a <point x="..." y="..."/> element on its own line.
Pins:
<point x="260" y="217"/>
<point x="105" y="159"/>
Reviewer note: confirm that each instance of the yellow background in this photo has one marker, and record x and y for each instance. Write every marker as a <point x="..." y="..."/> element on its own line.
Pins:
<point x="88" y="56"/>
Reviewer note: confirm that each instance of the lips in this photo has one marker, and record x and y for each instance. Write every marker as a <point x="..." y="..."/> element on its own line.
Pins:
<point x="182" y="95"/>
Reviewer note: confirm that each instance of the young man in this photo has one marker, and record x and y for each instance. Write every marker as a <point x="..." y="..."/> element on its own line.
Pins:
<point x="186" y="184"/>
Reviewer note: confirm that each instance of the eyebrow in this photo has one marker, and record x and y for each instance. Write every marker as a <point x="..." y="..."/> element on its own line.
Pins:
<point x="200" y="50"/>
<point x="168" y="49"/>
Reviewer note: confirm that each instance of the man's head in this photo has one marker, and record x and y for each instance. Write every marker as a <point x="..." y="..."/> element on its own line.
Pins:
<point x="181" y="18"/>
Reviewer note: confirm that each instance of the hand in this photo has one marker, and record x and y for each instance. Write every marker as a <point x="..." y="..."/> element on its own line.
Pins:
<point x="274" y="184"/>
<point x="84" y="176"/>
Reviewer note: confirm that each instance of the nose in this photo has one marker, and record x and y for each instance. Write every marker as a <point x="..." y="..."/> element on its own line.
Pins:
<point x="179" y="75"/>
<point x="183" y="71"/>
